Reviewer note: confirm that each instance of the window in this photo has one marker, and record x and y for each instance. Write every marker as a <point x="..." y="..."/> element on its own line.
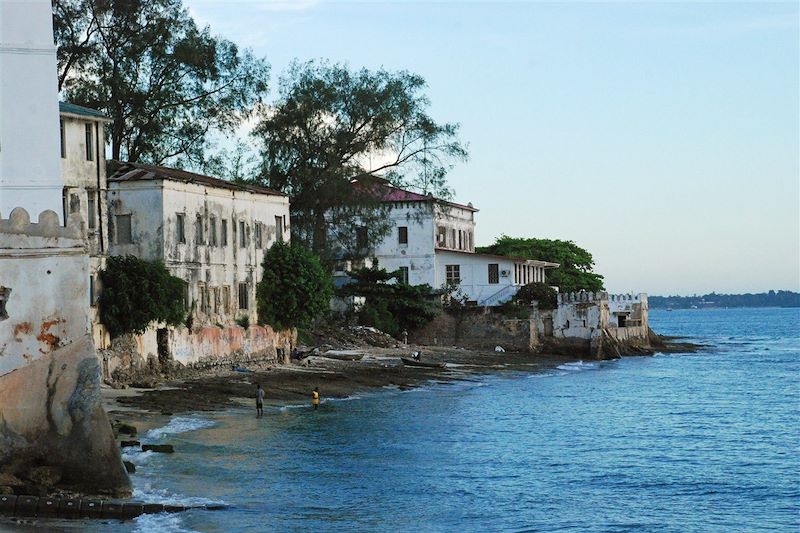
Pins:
<point x="460" y="240"/>
<point x="403" y="277"/>
<point x="402" y="234"/>
<point x="203" y="295"/>
<point x="452" y="238"/>
<point x="258" y="235"/>
<point x="5" y="292"/>
<point x="89" y="143"/>
<point x="279" y="229"/>
<point x="124" y="232"/>
<point x="212" y="231"/>
<point x="92" y="291"/>
<point x="180" y="226"/>
<point x="494" y="273"/>
<point x="361" y="237"/>
<point x="469" y="241"/>
<point x="224" y="232"/>
<point x="441" y="236"/>
<point x="242" y="236"/>
<point x="243" y="296"/>
<point x="74" y="203"/>
<point x="198" y="230"/>
<point x="453" y="274"/>
<point x="63" y="140"/>
<point x="91" y="205"/>
<point x="226" y="299"/>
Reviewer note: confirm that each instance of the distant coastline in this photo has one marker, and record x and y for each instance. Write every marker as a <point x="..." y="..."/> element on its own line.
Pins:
<point x="714" y="300"/>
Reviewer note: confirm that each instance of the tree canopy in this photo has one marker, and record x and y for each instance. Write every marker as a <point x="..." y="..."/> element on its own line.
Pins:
<point x="295" y="289"/>
<point x="332" y="125"/>
<point x="576" y="264"/>
<point x="390" y="307"/>
<point x="137" y="292"/>
<point x="167" y="84"/>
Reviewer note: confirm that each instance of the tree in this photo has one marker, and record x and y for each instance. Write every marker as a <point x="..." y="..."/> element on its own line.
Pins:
<point x="331" y="126"/>
<point x="576" y="264"/>
<point x="137" y="292"/>
<point x="166" y="83"/>
<point x="542" y="293"/>
<point x="295" y="289"/>
<point x="390" y="307"/>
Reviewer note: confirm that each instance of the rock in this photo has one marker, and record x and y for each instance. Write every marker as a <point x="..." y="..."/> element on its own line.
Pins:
<point x="129" y="443"/>
<point x="10" y="480"/>
<point x="160" y="448"/>
<point x="126" y="429"/>
<point x="6" y="490"/>
<point x="47" y="476"/>
<point x="130" y="467"/>
<point x="166" y="413"/>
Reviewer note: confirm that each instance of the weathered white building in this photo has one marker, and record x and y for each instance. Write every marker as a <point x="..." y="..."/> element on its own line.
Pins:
<point x="209" y="232"/>
<point x="432" y="241"/>
<point x="83" y="173"/>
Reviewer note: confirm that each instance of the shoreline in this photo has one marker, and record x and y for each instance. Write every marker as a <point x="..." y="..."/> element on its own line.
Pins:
<point x="216" y="389"/>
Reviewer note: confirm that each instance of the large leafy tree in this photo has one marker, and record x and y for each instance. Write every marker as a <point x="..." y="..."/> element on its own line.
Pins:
<point x="138" y="292"/>
<point x="295" y="289"/>
<point x="576" y="264"/>
<point x="332" y="126"/>
<point x="391" y="306"/>
<point x="167" y="84"/>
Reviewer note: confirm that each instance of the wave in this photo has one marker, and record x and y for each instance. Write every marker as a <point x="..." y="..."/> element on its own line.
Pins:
<point x="577" y="365"/>
<point x="148" y="494"/>
<point x="161" y="523"/>
<point x="179" y="424"/>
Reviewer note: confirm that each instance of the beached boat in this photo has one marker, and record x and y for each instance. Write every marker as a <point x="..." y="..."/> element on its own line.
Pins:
<point x="413" y="362"/>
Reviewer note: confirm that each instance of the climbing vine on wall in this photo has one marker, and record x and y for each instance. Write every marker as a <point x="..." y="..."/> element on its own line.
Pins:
<point x="136" y="292"/>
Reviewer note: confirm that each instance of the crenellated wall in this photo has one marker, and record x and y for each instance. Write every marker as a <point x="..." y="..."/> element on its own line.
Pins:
<point x="50" y="405"/>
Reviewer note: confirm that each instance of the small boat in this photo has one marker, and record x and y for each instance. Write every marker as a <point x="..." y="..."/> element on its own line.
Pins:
<point x="414" y="362"/>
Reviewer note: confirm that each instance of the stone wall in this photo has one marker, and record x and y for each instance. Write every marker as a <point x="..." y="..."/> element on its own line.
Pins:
<point x="50" y="408"/>
<point x="203" y="346"/>
<point x="478" y="329"/>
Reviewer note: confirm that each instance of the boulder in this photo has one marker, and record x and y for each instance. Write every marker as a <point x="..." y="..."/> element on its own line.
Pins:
<point x="129" y="467"/>
<point x="129" y="443"/>
<point x="10" y="480"/>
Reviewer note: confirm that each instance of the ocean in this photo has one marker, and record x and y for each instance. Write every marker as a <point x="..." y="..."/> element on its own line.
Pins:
<point x="681" y="442"/>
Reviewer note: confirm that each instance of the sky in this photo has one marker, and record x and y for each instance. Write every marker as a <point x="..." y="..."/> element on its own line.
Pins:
<point x="662" y="137"/>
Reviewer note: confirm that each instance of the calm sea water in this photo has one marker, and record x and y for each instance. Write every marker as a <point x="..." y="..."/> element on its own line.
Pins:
<point x="700" y="442"/>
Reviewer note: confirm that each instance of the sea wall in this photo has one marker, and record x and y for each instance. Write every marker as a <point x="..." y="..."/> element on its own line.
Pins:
<point x="478" y="329"/>
<point x="50" y="409"/>
<point x="160" y="348"/>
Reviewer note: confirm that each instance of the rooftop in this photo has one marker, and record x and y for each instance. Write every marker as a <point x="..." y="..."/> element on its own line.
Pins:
<point x="140" y="172"/>
<point x="75" y="109"/>
<point x="396" y="194"/>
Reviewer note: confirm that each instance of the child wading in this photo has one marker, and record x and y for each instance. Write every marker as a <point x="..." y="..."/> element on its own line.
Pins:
<point x="315" y="398"/>
<point x="259" y="401"/>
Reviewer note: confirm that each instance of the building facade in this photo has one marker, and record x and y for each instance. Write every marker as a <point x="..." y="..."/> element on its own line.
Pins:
<point x="209" y="232"/>
<point x="432" y="241"/>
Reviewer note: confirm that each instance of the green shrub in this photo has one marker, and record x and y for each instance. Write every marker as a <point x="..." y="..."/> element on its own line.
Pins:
<point x="294" y="290"/>
<point x="137" y="292"/>
<point x="243" y="321"/>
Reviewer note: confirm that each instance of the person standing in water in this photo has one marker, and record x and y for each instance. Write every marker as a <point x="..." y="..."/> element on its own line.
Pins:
<point x="315" y="398"/>
<point x="259" y="401"/>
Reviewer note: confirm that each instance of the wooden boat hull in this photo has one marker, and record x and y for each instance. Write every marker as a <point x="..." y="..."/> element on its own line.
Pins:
<point x="421" y="364"/>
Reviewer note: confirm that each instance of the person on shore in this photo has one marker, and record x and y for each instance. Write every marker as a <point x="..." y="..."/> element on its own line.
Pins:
<point x="315" y="398"/>
<point x="259" y="401"/>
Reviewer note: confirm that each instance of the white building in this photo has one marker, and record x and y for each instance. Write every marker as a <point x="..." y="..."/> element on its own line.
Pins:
<point x="209" y="232"/>
<point x="433" y="241"/>
<point x="83" y="174"/>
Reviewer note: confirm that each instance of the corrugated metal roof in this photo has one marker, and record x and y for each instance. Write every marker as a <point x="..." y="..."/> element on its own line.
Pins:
<point x="396" y="194"/>
<point x="140" y="172"/>
<point x="75" y="109"/>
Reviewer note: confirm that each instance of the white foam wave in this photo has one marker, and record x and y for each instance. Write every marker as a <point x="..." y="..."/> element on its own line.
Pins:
<point x="148" y="494"/>
<point x="577" y="365"/>
<point x="136" y="455"/>
<point x="161" y="523"/>
<point x="179" y="424"/>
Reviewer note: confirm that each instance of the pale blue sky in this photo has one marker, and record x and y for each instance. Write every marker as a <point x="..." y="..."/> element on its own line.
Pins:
<point x="663" y="137"/>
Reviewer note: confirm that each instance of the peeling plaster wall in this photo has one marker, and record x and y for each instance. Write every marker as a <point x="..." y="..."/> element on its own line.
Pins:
<point x="47" y="271"/>
<point x="418" y="254"/>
